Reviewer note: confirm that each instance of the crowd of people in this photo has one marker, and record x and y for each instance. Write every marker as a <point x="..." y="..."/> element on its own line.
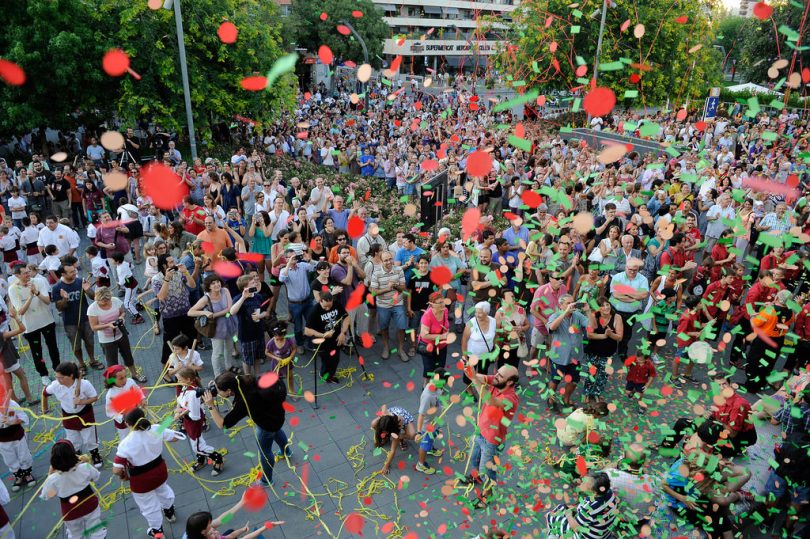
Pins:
<point x="627" y="272"/>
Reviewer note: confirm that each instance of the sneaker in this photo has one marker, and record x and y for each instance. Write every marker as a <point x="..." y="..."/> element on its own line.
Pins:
<point x="469" y="480"/>
<point x="204" y="346"/>
<point x="678" y="382"/>
<point x="155" y="532"/>
<point x="436" y="452"/>
<point x="198" y="465"/>
<point x="412" y="352"/>
<point x="656" y="358"/>
<point x="403" y="356"/>
<point x="169" y="514"/>
<point x="333" y="380"/>
<point x="385" y="354"/>
<point x="140" y="378"/>
<point x="29" y="480"/>
<point x="138" y="319"/>
<point x="98" y="462"/>
<point x="18" y="483"/>
<point x="45" y="380"/>
<point x="425" y="468"/>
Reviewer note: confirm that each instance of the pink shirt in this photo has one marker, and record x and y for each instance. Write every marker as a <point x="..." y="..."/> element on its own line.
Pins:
<point x="546" y="300"/>
<point x="436" y="327"/>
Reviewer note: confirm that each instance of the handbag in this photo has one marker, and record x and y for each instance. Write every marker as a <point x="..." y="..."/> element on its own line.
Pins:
<point x="523" y="350"/>
<point x="205" y="325"/>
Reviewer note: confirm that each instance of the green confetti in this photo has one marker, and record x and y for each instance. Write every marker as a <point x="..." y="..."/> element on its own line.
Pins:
<point x="517" y="142"/>
<point x="283" y="65"/>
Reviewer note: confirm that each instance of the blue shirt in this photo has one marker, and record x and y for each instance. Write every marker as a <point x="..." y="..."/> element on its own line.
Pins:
<point x="403" y="255"/>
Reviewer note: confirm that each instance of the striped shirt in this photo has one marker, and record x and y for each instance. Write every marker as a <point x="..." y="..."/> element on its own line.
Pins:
<point x="385" y="279"/>
<point x="776" y="224"/>
<point x="595" y="518"/>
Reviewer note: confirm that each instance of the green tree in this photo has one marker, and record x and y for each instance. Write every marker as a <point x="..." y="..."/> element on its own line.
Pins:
<point x="58" y="43"/>
<point x="552" y="39"/>
<point x="215" y="69"/>
<point x="310" y="32"/>
<point x="763" y="43"/>
<point x="731" y="33"/>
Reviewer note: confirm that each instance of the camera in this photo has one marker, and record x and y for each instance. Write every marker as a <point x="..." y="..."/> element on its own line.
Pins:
<point x="252" y="289"/>
<point x="118" y="323"/>
<point x="212" y="387"/>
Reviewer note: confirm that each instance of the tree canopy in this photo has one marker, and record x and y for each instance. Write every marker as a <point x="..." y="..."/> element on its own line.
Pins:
<point x="651" y="52"/>
<point x="309" y="30"/>
<point x="765" y="42"/>
<point x="60" y="45"/>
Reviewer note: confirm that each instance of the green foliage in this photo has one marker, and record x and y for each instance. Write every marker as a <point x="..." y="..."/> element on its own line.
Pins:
<point x="552" y="38"/>
<point x="310" y="32"/>
<point x="390" y="205"/>
<point x="731" y="34"/>
<point x="763" y="43"/>
<point x="59" y="45"/>
<point x="215" y="69"/>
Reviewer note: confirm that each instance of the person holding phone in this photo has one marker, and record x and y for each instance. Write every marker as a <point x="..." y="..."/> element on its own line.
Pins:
<point x="250" y="308"/>
<point x="172" y="286"/>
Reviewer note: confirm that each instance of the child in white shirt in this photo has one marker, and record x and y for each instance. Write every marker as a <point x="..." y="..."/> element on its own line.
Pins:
<point x="128" y="282"/>
<point x="28" y="242"/>
<point x="50" y="264"/>
<point x="99" y="268"/>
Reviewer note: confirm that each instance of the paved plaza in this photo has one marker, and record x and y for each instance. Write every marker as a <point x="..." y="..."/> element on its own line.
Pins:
<point x="335" y="460"/>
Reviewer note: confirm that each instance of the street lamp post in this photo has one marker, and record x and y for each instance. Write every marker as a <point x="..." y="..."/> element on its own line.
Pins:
<point x="365" y="59"/>
<point x="599" y="41"/>
<point x="181" y="46"/>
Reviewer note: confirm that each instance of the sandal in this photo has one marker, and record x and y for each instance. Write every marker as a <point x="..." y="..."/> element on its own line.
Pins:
<point x="98" y="365"/>
<point x="83" y="370"/>
<point x="403" y="445"/>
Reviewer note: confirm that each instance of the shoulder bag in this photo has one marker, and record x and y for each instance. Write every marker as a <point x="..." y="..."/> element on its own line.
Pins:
<point x="206" y="326"/>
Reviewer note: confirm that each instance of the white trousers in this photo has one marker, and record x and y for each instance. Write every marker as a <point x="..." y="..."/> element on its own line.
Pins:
<point x="129" y="303"/>
<point x="7" y="532"/>
<point x="200" y="446"/>
<point x="221" y="356"/>
<point x="122" y="433"/>
<point x="80" y="528"/>
<point x="152" y="504"/>
<point x="16" y="455"/>
<point x="83" y="440"/>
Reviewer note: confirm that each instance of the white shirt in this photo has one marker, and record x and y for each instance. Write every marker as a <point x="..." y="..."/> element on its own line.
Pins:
<point x="28" y="236"/>
<point x="143" y="446"/>
<point x="65" y="484"/>
<point x="65" y="395"/>
<point x="717" y="226"/>
<point x="189" y="401"/>
<point x="105" y="316"/>
<point x="38" y="314"/>
<point x="12" y="413"/>
<point x="113" y="392"/>
<point x="63" y="237"/>
<point x="191" y="359"/>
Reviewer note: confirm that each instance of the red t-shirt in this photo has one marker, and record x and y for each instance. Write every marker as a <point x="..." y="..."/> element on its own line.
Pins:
<point x="688" y="323"/>
<point x="802" y="327"/>
<point x="190" y="225"/>
<point x="734" y="413"/>
<point x="491" y="421"/>
<point x="640" y="374"/>
<point x="673" y="258"/>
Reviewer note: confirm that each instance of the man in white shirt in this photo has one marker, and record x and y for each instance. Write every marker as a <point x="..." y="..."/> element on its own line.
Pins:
<point x="720" y="212"/>
<point x="65" y="239"/>
<point x="238" y="157"/>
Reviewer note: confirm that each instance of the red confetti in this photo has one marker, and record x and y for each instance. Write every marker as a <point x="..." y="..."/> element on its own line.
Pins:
<point x="387" y="527"/>
<point x="624" y="289"/>
<point x="253" y="258"/>
<point x="357" y="14"/>
<point x="410" y="386"/>
<point x="254" y="84"/>
<point x="396" y="63"/>
<point x="520" y="131"/>
<point x="762" y="11"/>
<point x="581" y="70"/>
<point x="479" y="164"/>
<point x="289" y="408"/>
<point x="429" y="164"/>
<point x="227" y="270"/>
<point x="356" y="226"/>
<point x="441" y="275"/>
<point x="541" y="100"/>
<point x="792" y="181"/>
<point x="469" y="223"/>
<point x="531" y="198"/>
<point x="367" y="340"/>
<point x="11" y="73"/>
<point x="325" y="55"/>
<point x="683" y="19"/>
<point x="163" y="186"/>
<point x="599" y="101"/>
<point x="268" y="379"/>
<point x="681" y="115"/>
<point x="207" y="247"/>
<point x="666" y="391"/>
<point x="356" y="297"/>
<point x="304" y="480"/>
<point x="324" y="16"/>
<point x="127" y="400"/>
<point x="343" y="29"/>
<point x="227" y="32"/>
<point x="294" y="421"/>
<point x="806" y="75"/>
<point x="349" y="63"/>
<point x="255" y="497"/>
<point x="354" y="523"/>
<point x="700" y="126"/>
<point x="582" y="468"/>
<point x="115" y="62"/>
<point x="635" y="78"/>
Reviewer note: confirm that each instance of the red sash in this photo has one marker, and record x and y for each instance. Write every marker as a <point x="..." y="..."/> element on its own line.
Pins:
<point x="193" y="428"/>
<point x="3" y="518"/>
<point x="149" y="476"/>
<point x="79" y="505"/>
<point x="80" y="420"/>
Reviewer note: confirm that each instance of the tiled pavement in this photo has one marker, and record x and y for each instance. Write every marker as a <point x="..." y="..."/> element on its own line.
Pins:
<point x="327" y="455"/>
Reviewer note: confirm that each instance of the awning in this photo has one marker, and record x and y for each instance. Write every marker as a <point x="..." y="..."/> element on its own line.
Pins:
<point x="451" y="11"/>
<point x="387" y="7"/>
<point x="433" y="10"/>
